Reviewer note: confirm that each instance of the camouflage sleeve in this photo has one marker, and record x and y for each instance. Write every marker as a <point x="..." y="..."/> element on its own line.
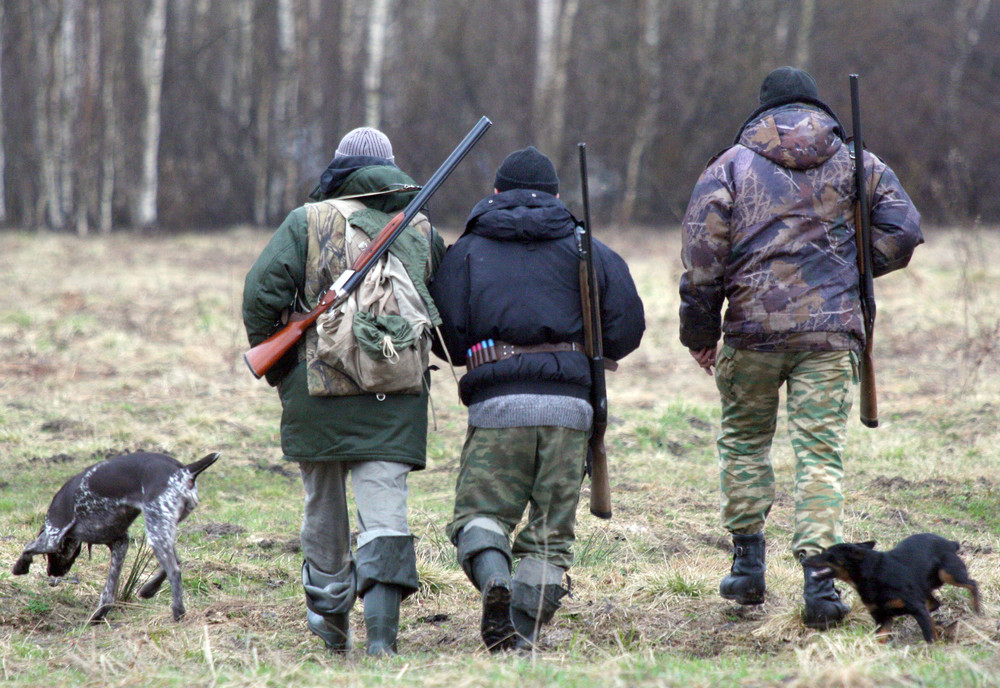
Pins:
<point x="704" y="252"/>
<point x="895" y="221"/>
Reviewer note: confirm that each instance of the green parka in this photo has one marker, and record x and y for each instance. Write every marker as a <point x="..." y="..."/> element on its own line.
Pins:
<point x="360" y="427"/>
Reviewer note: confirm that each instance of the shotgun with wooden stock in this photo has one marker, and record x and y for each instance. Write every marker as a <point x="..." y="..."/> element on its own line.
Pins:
<point x="600" y="484"/>
<point x="863" y="234"/>
<point x="262" y="357"/>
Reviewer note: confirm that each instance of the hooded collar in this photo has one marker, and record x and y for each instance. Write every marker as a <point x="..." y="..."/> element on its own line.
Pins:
<point x="387" y="188"/>
<point x="795" y="136"/>
<point x="521" y="215"/>
<point x="776" y="103"/>
<point x="337" y="172"/>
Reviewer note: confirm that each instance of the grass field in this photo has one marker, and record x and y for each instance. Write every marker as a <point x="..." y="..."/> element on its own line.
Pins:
<point x="124" y="343"/>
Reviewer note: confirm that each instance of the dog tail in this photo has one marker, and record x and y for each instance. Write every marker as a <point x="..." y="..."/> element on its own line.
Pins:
<point x="201" y="464"/>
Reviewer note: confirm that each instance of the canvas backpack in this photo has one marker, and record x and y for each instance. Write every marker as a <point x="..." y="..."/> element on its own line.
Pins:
<point x="380" y="337"/>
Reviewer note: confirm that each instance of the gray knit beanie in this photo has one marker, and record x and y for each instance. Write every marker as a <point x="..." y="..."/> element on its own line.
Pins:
<point x="366" y="141"/>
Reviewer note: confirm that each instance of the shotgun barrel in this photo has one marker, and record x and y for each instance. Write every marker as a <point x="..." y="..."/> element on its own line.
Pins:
<point x="863" y="233"/>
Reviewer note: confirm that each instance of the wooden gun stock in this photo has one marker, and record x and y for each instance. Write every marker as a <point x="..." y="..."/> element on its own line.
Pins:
<point x="265" y="355"/>
<point x="600" y="481"/>
<point x="868" y="400"/>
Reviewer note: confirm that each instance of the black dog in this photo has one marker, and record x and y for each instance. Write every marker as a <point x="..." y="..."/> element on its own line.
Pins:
<point x="899" y="581"/>
<point x="98" y="505"/>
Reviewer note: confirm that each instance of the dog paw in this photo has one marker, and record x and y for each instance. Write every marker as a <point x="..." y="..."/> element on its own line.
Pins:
<point x="99" y="615"/>
<point x="21" y="566"/>
<point x="178" y="613"/>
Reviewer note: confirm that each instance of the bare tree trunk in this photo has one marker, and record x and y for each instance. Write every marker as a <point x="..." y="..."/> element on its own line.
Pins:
<point x="110" y="50"/>
<point x="152" y="54"/>
<point x="3" y="147"/>
<point x="263" y="155"/>
<point x="560" y="81"/>
<point x="650" y="93"/>
<point x="969" y="18"/>
<point x="555" y="40"/>
<point x="68" y="62"/>
<point x="545" y="63"/>
<point x="45" y="25"/>
<point x="803" y="42"/>
<point x="378" y="16"/>
<point x="350" y="51"/>
<point x="286" y="104"/>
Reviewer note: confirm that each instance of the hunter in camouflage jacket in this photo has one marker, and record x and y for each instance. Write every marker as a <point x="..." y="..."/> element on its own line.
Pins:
<point x="770" y="228"/>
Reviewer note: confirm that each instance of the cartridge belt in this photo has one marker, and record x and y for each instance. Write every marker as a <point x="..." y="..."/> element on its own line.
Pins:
<point x="491" y="350"/>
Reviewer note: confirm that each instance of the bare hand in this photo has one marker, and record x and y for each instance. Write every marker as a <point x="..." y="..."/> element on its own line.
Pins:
<point x="705" y="357"/>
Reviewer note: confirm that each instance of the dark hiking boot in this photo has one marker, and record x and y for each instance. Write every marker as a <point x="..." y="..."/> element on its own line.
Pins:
<point x="491" y="573"/>
<point x="824" y="608"/>
<point x="495" y="626"/>
<point x="745" y="582"/>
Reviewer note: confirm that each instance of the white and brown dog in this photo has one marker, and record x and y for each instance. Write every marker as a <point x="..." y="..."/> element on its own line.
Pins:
<point x="98" y="505"/>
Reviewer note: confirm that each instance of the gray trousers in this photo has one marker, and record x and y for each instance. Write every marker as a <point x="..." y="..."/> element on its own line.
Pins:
<point x="384" y="547"/>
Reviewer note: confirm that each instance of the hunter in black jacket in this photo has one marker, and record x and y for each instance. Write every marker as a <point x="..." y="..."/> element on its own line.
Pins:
<point x="513" y="279"/>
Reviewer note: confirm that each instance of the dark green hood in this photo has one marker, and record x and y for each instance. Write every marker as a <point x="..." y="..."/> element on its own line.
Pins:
<point x="356" y="175"/>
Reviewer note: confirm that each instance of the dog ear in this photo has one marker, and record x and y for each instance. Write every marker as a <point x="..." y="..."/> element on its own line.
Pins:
<point x="201" y="464"/>
<point x="867" y="544"/>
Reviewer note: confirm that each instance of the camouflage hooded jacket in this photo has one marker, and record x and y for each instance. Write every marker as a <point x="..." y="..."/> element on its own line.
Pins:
<point x="770" y="229"/>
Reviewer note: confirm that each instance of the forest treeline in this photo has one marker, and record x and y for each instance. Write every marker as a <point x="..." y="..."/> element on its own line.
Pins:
<point x="166" y="115"/>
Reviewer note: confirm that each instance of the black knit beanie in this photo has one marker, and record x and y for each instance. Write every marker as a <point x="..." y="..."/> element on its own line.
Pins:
<point x="786" y="85"/>
<point x="527" y="169"/>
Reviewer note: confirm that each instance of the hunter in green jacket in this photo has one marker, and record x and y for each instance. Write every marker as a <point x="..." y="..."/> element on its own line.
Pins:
<point x="329" y="426"/>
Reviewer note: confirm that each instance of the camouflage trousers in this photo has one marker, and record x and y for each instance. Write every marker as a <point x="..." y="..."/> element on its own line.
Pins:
<point x="819" y="388"/>
<point x="504" y="470"/>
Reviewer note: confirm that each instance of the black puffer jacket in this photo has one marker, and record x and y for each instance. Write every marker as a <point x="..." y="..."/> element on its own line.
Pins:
<point x="513" y="276"/>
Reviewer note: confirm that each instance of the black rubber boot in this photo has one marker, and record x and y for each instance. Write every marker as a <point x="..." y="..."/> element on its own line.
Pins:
<point x="329" y="598"/>
<point x="532" y="607"/>
<point x="382" y="618"/>
<point x="824" y="608"/>
<point x="334" y="629"/>
<point x="491" y="572"/>
<point x="745" y="582"/>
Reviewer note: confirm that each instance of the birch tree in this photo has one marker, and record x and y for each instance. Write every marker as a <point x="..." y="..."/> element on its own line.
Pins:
<point x="378" y="17"/>
<point x="553" y="52"/>
<point x="545" y="62"/>
<point x="3" y="147"/>
<point x="650" y="90"/>
<point x="66" y="109"/>
<point x="110" y="15"/>
<point x="969" y="19"/>
<point x="151" y="52"/>
<point x="286" y="98"/>
<point x="803" y="44"/>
